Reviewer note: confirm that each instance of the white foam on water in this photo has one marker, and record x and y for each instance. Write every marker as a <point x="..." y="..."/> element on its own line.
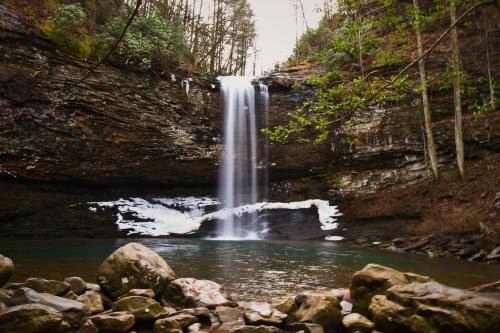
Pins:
<point x="334" y="238"/>
<point x="165" y="216"/>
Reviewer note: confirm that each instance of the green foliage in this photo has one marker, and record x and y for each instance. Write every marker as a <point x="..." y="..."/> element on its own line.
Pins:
<point x="360" y="67"/>
<point x="65" y="28"/>
<point x="149" y="41"/>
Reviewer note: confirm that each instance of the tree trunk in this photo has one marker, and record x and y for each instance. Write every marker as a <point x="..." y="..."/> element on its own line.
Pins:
<point x="431" y="146"/>
<point x="488" y="64"/>
<point x="459" y="140"/>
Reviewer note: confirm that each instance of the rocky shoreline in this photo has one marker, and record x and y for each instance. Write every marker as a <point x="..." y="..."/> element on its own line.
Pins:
<point x="471" y="248"/>
<point x="137" y="291"/>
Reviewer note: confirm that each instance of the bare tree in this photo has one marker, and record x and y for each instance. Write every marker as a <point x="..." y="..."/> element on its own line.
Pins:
<point x="431" y="146"/>
<point x="455" y="56"/>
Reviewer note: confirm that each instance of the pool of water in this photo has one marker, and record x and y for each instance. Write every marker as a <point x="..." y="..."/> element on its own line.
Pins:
<point x="250" y="269"/>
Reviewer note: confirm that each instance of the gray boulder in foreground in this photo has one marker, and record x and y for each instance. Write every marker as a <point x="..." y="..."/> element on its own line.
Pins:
<point x="134" y="266"/>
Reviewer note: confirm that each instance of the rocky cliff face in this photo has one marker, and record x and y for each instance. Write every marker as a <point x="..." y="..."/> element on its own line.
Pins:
<point x="117" y="127"/>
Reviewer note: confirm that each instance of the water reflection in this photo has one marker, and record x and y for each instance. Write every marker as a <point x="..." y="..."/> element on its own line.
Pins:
<point x="253" y="269"/>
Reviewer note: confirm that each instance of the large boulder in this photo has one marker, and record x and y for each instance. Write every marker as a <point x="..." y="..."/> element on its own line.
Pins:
<point x="324" y="310"/>
<point x="74" y="312"/>
<point x="30" y="318"/>
<point x="134" y="266"/>
<point x="113" y="322"/>
<point x="191" y="293"/>
<point x="433" y="307"/>
<point x="6" y="269"/>
<point x="53" y="287"/>
<point x="374" y="280"/>
<point x="143" y="308"/>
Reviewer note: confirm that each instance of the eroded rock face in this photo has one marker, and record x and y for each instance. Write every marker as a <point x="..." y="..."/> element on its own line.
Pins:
<point x="134" y="266"/>
<point x="6" y="269"/>
<point x="190" y="293"/>
<point x="30" y="318"/>
<point x="142" y="308"/>
<point x="374" y="280"/>
<point x="432" y="307"/>
<point x="113" y="322"/>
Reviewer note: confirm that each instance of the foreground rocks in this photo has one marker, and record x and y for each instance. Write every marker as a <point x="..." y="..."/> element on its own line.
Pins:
<point x="375" y="280"/>
<point x="432" y="307"/>
<point x="383" y="300"/>
<point x="134" y="266"/>
<point x="30" y="318"/>
<point x="189" y="292"/>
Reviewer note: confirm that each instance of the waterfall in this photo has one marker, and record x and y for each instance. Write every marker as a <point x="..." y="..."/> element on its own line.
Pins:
<point x="238" y="178"/>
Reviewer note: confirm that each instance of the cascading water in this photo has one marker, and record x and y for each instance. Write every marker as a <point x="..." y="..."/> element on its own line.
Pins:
<point x="238" y="179"/>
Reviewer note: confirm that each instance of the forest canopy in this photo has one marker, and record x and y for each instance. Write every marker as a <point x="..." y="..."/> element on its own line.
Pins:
<point x="207" y="35"/>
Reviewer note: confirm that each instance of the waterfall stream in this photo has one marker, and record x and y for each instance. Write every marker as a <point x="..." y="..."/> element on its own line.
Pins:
<point x="238" y="178"/>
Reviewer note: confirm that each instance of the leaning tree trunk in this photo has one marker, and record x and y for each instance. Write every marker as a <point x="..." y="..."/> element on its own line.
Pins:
<point x="431" y="146"/>
<point x="459" y="140"/>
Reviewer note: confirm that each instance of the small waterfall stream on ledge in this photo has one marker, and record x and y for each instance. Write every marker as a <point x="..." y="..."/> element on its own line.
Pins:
<point x="238" y="183"/>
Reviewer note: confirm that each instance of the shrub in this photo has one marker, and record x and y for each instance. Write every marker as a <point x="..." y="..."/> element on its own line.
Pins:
<point x="66" y="28"/>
